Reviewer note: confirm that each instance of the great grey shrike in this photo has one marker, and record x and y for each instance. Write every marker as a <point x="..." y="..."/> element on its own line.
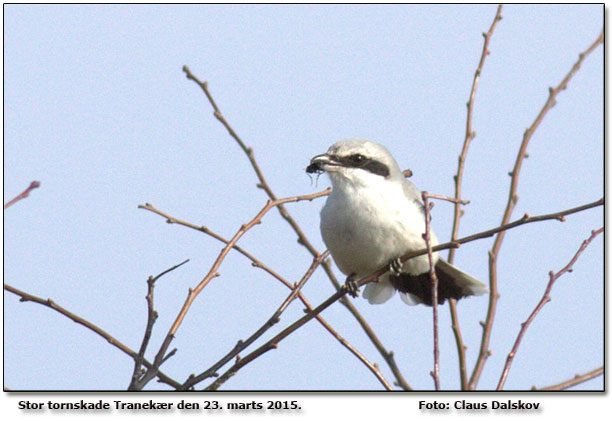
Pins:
<point x="372" y="217"/>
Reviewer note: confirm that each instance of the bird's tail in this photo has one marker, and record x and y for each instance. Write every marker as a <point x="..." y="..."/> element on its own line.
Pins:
<point x="416" y="289"/>
<point x="464" y="284"/>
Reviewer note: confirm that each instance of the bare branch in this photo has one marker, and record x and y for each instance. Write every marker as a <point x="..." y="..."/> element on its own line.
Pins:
<point x="545" y="299"/>
<point x="512" y="199"/>
<point x="24" y="296"/>
<point x="434" y="291"/>
<point x="526" y="219"/>
<point x="449" y="199"/>
<point x="33" y="185"/>
<point x="469" y="135"/>
<point x="135" y="383"/>
<point x="579" y="378"/>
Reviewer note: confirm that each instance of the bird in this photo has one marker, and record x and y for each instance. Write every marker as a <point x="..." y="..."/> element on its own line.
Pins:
<point x="372" y="217"/>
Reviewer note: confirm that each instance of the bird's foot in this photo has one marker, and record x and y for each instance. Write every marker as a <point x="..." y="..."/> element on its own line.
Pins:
<point x="395" y="266"/>
<point x="351" y="285"/>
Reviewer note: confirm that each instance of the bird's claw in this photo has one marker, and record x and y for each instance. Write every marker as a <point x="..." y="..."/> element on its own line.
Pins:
<point x="351" y="285"/>
<point x="395" y="266"/>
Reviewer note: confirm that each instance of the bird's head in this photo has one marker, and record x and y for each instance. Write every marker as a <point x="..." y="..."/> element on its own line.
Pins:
<point x="356" y="162"/>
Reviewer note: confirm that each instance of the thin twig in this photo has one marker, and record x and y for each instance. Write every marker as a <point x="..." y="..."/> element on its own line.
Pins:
<point x="545" y="299"/>
<point x="33" y="185"/>
<point x="512" y="200"/>
<point x="24" y="296"/>
<point x="434" y="290"/>
<point x="449" y="199"/>
<point x="151" y="318"/>
<point x="469" y="135"/>
<point x="579" y="378"/>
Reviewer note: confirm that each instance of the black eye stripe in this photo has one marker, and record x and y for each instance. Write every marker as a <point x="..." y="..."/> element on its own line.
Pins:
<point x="360" y="161"/>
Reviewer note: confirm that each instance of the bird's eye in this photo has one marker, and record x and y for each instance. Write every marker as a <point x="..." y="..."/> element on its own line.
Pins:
<point x="357" y="158"/>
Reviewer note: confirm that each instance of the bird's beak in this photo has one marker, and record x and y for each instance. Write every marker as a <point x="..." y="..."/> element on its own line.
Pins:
<point x="322" y="163"/>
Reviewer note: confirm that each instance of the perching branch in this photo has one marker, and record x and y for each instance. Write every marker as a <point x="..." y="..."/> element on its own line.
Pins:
<point x="469" y="135"/>
<point x="512" y="199"/>
<point x="545" y="299"/>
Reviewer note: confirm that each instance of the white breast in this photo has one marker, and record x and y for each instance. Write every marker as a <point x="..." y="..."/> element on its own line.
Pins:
<point x="366" y="227"/>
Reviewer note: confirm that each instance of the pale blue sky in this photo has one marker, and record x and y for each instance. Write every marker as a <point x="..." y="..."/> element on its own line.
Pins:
<point x="97" y="108"/>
